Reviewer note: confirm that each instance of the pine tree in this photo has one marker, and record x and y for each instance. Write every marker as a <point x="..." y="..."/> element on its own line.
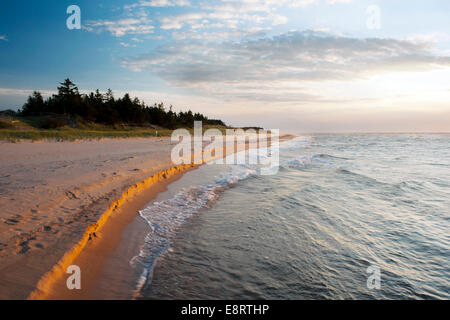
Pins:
<point x="68" y="99"/>
<point x="34" y="105"/>
<point x="68" y="89"/>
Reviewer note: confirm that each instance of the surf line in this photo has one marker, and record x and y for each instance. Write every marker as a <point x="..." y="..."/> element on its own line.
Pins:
<point x="45" y="284"/>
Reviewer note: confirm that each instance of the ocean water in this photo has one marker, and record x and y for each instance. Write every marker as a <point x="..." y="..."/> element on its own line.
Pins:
<point x="338" y="205"/>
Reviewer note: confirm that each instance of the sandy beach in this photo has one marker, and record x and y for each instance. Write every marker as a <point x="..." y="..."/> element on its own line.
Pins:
<point x="53" y="192"/>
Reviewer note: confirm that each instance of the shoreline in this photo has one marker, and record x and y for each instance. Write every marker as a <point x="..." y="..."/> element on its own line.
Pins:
<point x="91" y="255"/>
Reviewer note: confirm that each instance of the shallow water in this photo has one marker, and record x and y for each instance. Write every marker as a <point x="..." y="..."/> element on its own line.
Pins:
<point x="338" y="204"/>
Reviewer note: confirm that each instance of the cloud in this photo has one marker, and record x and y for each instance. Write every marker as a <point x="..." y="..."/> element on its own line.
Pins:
<point x="226" y="14"/>
<point x="127" y="45"/>
<point x="338" y="1"/>
<point x="118" y="28"/>
<point x="245" y="15"/>
<point x="160" y="3"/>
<point x="218" y="35"/>
<point x="282" y="66"/>
<point x="435" y="37"/>
<point x="233" y="16"/>
<point x="3" y="37"/>
<point x="24" y="92"/>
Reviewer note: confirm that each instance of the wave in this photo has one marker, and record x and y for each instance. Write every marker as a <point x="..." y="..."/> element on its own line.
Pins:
<point x="328" y="156"/>
<point x="336" y="207"/>
<point x="303" y="162"/>
<point x="167" y="216"/>
<point x="295" y="143"/>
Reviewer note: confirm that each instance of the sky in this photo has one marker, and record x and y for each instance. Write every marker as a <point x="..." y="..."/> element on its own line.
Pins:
<point x="294" y="65"/>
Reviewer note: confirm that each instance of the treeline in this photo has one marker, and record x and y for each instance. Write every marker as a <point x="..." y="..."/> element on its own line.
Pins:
<point x="105" y="109"/>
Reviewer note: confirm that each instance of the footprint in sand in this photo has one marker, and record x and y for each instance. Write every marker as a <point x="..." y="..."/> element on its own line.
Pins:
<point x="127" y="158"/>
<point x="13" y="220"/>
<point x="71" y="195"/>
<point x="23" y="244"/>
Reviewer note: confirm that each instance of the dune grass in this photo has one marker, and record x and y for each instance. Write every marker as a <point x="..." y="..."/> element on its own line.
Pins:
<point x="15" y="129"/>
<point x="77" y="134"/>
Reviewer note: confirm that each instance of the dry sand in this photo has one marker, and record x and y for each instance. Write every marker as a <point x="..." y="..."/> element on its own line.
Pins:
<point x="51" y="192"/>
